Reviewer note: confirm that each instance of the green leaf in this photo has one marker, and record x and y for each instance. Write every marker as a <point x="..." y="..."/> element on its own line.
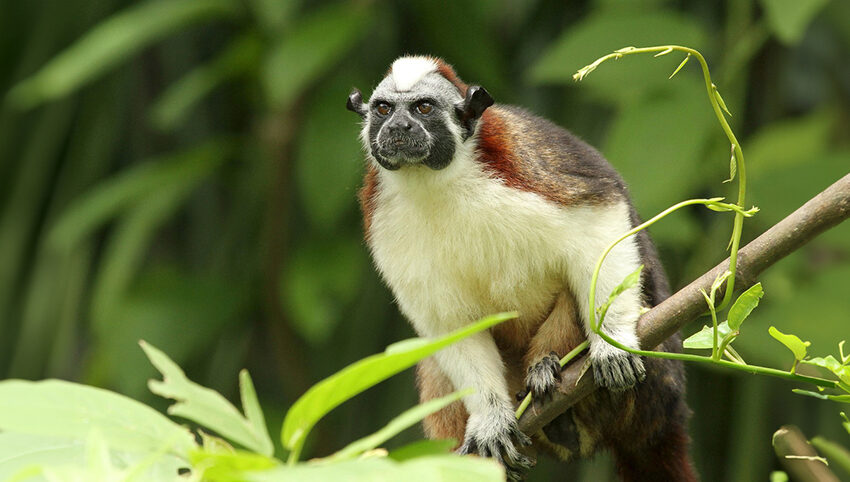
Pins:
<point x="174" y="104"/>
<point x="684" y="61"/>
<point x="704" y="339"/>
<point x="317" y="42"/>
<point x="744" y="305"/>
<point x="205" y="406"/>
<point x="733" y="166"/>
<point x="434" y="468"/>
<point x="720" y="100"/>
<point x="113" y="42"/>
<point x="63" y="409"/>
<point x="788" y="19"/>
<point x="396" y="425"/>
<point x="86" y="457"/>
<point x="835" y="453"/>
<point x="718" y="282"/>
<point x="846" y="422"/>
<point x="830" y="363"/>
<point x="421" y="448"/>
<point x="792" y="342"/>
<point x="228" y="466"/>
<point x="19" y="451"/>
<point x="251" y="405"/>
<point x="326" y="395"/>
<point x="630" y="281"/>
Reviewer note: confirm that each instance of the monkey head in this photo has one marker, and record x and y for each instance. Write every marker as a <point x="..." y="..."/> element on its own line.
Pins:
<point x="418" y="114"/>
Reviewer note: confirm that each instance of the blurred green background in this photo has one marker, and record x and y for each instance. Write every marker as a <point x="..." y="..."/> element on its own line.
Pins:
<point x="184" y="171"/>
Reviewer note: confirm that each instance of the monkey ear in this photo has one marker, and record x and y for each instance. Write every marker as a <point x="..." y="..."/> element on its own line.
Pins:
<point x="469" y="111"/>
<point x="355" y="103"/>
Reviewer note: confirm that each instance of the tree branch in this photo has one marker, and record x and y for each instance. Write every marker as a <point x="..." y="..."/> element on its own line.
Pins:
<point x="799" y="458"/>
<point x="822" y="212"/>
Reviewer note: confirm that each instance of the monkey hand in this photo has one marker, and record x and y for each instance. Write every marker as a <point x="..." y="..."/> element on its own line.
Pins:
<point x="496" y="434"/>
<point x="542" y="378"/>
<point x="615" y="369"/>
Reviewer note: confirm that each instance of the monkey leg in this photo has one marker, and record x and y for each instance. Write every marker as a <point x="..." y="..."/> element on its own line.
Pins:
<point x="556" y="336"/>
<point x="450" y="421"/>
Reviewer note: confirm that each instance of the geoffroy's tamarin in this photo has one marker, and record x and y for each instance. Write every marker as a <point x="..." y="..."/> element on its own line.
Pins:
<point x="472" y="208"/>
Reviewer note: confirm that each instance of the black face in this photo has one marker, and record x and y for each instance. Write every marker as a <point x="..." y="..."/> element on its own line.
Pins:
<point x="405" y="130"/>
<point x="409" y="132"/>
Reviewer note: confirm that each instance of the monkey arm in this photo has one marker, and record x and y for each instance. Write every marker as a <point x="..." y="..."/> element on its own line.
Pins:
<point x="491" y="429"/>
<point x="600" y="225"/>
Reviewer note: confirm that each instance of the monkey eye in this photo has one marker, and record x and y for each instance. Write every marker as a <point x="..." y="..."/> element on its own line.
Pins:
<point x="424" y="108"/>
<point x="383" y="108"/>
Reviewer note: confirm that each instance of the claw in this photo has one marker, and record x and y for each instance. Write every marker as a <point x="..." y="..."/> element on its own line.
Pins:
<point x="498" y="437"/>
<point x="619" y="371"/>
<point x="543" y="377"/>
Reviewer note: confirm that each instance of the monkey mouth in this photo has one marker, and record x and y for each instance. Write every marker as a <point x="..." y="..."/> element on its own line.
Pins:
<point x="403" y="150"/>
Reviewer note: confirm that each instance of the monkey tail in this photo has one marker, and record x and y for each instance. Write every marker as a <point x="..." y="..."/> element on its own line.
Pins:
<point x="664" y="459"/>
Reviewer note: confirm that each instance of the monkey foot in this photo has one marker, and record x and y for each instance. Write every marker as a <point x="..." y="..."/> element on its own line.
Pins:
<point x="498" y="438"/>
<point x="618" y="370"/>
<point x="543" y="377"/>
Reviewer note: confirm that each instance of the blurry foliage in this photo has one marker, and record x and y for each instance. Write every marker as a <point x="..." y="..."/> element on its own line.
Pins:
<point x="185" y="171"/>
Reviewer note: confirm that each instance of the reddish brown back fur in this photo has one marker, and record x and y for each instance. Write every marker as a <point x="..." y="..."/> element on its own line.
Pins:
<point x="367" y="197"/>
<point x="496" y="150"/>
<point x="449" y="73"/>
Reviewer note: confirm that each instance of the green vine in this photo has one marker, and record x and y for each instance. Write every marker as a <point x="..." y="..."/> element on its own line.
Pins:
<point x="720" y="347"/>
<point x="737" y="165"/>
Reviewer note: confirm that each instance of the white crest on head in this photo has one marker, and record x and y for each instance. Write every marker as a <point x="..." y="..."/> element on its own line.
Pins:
<point x="407" y="71"/>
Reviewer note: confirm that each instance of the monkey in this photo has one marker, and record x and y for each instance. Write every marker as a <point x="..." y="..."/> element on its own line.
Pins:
<point x="472" y="208"/>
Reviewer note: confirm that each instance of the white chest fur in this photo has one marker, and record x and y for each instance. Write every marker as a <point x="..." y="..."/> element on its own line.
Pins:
<point x="456" y="244"/>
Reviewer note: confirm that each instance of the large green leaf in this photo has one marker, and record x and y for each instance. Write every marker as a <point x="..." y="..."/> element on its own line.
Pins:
<point x="789" y="18"/>
<point x="422" y="448"/>
<point x="435" y="468"/>
<point x="113" y="42"/>
<point x="396" y="425"/>
<point x="317" y="42"/>
<point x="326" y="395"/>
<point x="86" y="457"/>
<point x="19" y="451"/>
<point x="207" y="407"/>
<point x="63" y="409"/>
